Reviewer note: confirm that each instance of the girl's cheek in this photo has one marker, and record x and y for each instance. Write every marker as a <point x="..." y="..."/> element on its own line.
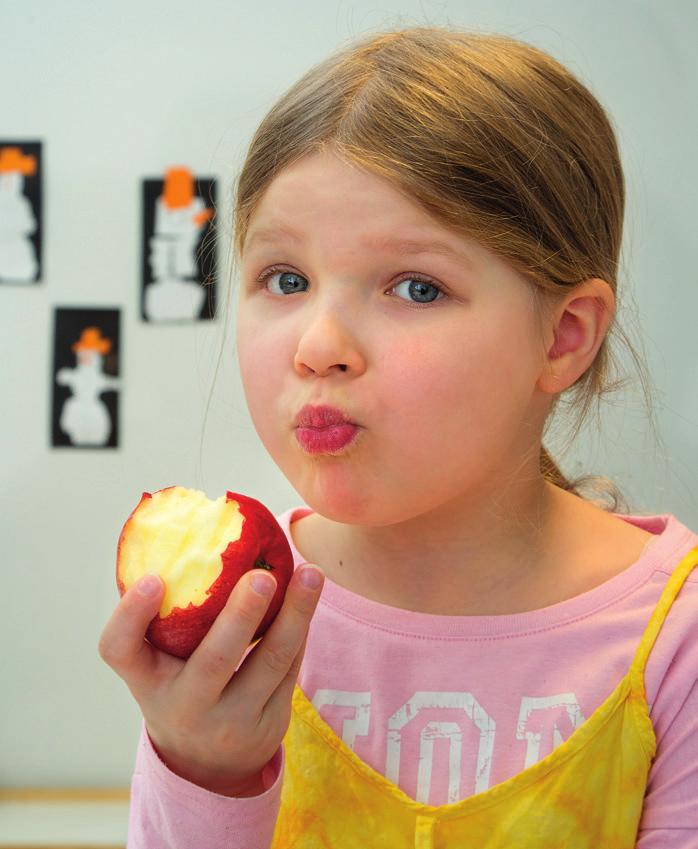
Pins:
<point x="264" y="356"/>
<point x="412" y="366"/>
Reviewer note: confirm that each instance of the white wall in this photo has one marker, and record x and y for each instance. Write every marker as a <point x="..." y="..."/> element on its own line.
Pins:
<point x="118" y="91"/>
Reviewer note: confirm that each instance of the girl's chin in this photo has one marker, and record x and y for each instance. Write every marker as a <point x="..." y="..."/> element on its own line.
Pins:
<point x="354" y="508"/>
<point x="337" y="503"/>
<point x="338" y="509"/>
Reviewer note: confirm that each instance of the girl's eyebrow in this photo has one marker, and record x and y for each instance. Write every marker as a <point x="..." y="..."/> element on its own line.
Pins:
<point x="387" y="243"/>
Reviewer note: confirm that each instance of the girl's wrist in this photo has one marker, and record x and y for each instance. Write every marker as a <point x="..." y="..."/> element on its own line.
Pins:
<point x="252" y="786"/>
<point x="224" y="784"/>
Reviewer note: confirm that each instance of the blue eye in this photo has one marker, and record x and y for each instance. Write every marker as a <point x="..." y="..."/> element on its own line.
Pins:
<point x="424" y="290"/>
<point x="288" y="285"/>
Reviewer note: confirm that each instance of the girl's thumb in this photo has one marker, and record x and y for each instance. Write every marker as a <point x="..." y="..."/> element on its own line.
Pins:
<point x="149" y="586"/>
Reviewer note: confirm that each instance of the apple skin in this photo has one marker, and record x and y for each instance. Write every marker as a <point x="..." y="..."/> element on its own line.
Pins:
<point x="262" y="544"/>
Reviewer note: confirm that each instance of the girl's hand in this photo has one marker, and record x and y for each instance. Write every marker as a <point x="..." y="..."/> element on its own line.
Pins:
<point x="216" y="719"/>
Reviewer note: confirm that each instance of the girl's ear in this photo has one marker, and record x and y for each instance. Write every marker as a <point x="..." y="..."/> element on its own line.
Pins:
<point x="578" y="325"/>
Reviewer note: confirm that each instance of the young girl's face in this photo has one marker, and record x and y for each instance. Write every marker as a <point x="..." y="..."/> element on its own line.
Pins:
<point x="433" y="351"/>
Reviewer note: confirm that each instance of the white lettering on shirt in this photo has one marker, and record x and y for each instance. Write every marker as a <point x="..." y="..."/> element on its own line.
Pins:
<point x="531" y="704"/>
<point x="535" y="713"/>
<point x="346" y="698"/>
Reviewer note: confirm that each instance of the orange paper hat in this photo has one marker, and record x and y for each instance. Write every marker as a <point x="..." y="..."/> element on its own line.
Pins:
<point x="179" y="188"/>
<point x="93" y="340"/>
<point x="12" y="159"/>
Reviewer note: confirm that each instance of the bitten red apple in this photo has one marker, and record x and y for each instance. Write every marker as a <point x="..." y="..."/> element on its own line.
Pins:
<point x="201" y="549"/>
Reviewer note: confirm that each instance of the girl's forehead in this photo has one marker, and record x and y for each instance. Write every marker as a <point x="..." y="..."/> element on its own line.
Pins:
<point x="329" y="196"/>
<point x="404" y="242"/>
<point x="323" y="199"/>
<point x="324" y="177"/>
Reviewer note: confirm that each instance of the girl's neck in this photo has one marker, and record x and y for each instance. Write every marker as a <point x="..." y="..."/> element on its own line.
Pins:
<point x="559" y="547"/>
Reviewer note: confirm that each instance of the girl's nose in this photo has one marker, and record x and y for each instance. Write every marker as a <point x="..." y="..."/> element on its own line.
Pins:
<point x="328" y="344"/>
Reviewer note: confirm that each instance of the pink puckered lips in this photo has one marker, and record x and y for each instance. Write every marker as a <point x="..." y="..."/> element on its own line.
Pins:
<point x="324" y="429"/>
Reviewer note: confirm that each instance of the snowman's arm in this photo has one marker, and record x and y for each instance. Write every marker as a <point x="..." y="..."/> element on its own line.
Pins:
<point x="65" y="376"/>
<point x="200" y="218"/>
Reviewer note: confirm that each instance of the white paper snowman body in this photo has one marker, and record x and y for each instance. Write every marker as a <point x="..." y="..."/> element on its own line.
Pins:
<point x="18" y="263"/>
<point x="175" y="294"/>
<point x="84" y="416"/>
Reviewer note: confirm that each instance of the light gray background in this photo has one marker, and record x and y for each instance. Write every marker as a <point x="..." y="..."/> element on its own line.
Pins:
<point x="119" y="91"/>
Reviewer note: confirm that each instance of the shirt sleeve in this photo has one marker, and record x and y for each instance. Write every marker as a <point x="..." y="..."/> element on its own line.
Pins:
<point x="168" y="812"/>
<point x="670" y="814"/>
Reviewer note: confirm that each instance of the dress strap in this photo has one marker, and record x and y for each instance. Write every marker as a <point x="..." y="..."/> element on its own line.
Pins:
<point x="424" y="832"/>
<point x="671" y="590"/>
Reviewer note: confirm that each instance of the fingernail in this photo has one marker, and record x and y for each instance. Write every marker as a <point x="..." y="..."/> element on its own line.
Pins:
<point x="263" y="584"/>
<point x="149" y="586"/>
<point x="311" y="577"/>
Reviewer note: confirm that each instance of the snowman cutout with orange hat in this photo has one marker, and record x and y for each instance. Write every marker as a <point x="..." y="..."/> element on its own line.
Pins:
<point x="85" y="417"/>
<point x="18" y="262"/>
<point x="175" y="293"/>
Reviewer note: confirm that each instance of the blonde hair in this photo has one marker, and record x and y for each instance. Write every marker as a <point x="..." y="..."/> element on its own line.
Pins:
<point x="495" y="139"/>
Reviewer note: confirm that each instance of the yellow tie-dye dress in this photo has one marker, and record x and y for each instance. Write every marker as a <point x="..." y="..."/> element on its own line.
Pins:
<point x="586" y="794"/>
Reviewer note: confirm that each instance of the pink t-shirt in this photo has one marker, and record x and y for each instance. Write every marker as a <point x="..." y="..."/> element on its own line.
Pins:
<point x="448" y="706"/>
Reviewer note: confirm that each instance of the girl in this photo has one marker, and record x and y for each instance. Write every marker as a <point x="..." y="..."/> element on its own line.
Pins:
<point x="428" y="227"/>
